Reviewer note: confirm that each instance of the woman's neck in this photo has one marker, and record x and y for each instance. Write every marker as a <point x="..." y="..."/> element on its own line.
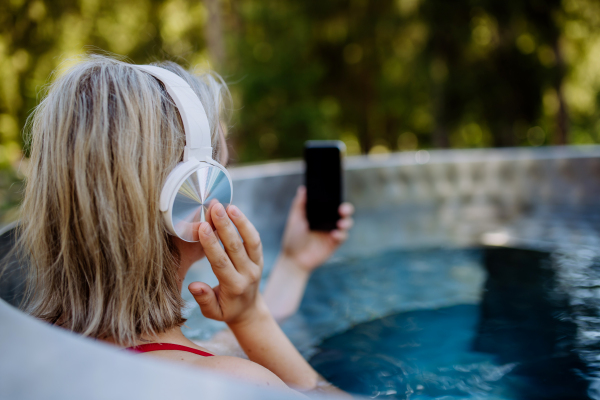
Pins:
<point x="173" y="335"/>
<point x="189" y="253"/>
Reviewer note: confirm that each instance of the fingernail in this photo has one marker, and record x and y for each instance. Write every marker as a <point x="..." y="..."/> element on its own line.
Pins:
<point x="195" y="289"/>
<point x="220" y="210"/>
<point x="205" y="226"/>
<point x="234" y="211"/>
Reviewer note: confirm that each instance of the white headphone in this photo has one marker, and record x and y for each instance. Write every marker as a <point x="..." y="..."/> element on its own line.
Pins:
<point x="198" y="181"/>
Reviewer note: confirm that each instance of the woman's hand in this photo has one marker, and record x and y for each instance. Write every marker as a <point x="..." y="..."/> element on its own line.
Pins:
<point x="236" y="300"/>
<point x="309" y="249"/>
<point x="238" y="267"/>
<point x="302" y="251"/>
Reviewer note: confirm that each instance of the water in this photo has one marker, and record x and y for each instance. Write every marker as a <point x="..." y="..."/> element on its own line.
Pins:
<point x="419" y="355"/>
<point x="521" y="340"/>
<point x="350" y="291"/>
<point x="452" y="323"/>
<point x="432" y="354"/>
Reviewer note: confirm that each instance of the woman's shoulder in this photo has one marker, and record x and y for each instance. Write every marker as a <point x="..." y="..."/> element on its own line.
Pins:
<point x="239" y="368"/>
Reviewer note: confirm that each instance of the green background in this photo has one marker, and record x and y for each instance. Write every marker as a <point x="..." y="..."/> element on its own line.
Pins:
<point x="380" y="75"/>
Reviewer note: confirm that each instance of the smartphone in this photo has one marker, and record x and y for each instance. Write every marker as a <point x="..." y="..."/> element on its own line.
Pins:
<point x="323" y="180"/>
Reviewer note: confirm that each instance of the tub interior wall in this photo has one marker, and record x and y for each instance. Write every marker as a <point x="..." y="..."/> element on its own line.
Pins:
<point x="460" y="197"/>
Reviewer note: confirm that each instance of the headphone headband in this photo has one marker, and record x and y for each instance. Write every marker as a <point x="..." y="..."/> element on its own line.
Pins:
<point x="195" y="122"/>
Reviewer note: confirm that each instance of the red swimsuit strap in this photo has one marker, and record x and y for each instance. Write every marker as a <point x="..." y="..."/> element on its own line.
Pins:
<point x="146" y="348"/>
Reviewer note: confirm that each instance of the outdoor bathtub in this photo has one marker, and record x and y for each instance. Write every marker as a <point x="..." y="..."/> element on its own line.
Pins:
<point x="468" y="274"/>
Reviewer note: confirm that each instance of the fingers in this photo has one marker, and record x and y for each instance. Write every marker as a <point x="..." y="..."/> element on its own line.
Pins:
<point x="207" y="300"/>
<point x="339" y="236"/>
<point x="229" y="237"/>
<point x="300" y="199"/>
<point x="346" y="210"/>
<point x="219" y="260"/>
<point x="345" y="224"/>
<point x="208" y="213"/>
<point x="298" y="208"/>
<point x="249" y="234"/>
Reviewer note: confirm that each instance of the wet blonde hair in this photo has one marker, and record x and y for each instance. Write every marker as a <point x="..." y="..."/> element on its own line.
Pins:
<point x="103" y="140"/>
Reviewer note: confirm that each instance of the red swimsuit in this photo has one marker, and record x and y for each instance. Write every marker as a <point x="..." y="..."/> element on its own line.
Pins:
<point x="146" y="348"/>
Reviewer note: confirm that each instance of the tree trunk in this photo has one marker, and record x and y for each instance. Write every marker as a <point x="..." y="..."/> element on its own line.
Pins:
<point x="214" y="33"/>
<point x="562" y="117"/>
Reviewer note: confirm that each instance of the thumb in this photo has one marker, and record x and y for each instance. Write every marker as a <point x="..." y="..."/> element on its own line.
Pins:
<point x="299" y="203"/>
<point x="206" y="298"/>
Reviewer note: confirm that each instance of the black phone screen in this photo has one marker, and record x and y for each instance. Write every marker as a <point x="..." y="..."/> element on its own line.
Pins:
<point x="323" y="184"/>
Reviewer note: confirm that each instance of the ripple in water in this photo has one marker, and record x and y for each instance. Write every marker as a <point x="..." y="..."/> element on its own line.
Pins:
<point x="419" y="355"/>
<point x="517" y="343"/>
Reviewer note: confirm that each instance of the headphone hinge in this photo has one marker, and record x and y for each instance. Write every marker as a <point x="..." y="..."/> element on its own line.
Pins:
<point x="200" y="153"/>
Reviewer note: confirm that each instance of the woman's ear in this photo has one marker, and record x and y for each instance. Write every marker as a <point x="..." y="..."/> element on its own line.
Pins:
<point x="189" y="253"/>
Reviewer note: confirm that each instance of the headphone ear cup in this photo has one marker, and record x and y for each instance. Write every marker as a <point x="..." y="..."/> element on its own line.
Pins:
<point x="189" y="192"/>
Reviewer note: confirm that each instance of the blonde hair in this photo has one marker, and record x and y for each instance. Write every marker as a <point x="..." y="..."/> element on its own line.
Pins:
<point x="103" y="140"/>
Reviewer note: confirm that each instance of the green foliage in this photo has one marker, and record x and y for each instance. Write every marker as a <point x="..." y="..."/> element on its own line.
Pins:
<point x="381" y="75"/>
<point x="388" y="75"/>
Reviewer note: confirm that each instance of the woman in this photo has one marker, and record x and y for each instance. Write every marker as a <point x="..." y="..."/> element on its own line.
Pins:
<point x="102" y="263"/>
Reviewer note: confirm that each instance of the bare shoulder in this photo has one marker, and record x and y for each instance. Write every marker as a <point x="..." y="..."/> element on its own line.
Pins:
<point x="242" y="369"/>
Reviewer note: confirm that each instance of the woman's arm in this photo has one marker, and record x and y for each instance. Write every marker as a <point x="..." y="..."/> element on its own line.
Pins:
<point x="302" y="251"/>
<point x="285" y="287"/>
<point x="236" y="301"/>
<point x="264" y="342"/>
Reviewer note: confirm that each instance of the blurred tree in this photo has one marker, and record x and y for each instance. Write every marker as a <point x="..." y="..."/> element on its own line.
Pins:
<point x="401" y="74"/>
<point x="579" y="46"/>
<point x="37" y="37"/>
<point x="381" y="75"/>
<point x="494" y="78"/>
